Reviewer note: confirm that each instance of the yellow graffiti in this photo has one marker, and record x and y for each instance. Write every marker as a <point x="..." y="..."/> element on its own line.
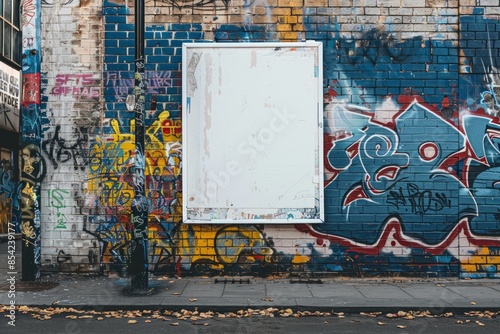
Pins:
<point x="29" y="192"/>
<point x="110" y="178"/>
<point x="299" y="259"/>
<point x="483" y="260"/>
<point x="28" y="231"/>
<point x="222" y="245"/>
<point x="5" y="214"/>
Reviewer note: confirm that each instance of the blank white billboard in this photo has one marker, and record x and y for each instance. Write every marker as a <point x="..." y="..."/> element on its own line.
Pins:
<point x="252" y="133"/>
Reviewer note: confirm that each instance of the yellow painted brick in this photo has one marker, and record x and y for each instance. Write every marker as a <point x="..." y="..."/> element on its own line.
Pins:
<point x="288" y="36"/>
<point x="202" y="242"/>
<point x="298" y="27"/>
<point x="284" y="27"/>
<point x="469" y="268"/>
<point x="281" y="11"/>
<point x="207" y="251"/>
<point x="315" y="3"/>
<point x="291" y="3"/>
<point x="287" y="19"/>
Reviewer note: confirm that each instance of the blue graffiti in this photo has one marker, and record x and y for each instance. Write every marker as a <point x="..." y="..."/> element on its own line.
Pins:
<point x="396" y="173"/>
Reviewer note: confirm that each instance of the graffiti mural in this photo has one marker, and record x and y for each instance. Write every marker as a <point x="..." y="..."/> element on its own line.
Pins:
<point x="33" y="173"/>
<point x="111" y="190"/>
<point x="411" y="153"/>
<point x="9" y="205"/>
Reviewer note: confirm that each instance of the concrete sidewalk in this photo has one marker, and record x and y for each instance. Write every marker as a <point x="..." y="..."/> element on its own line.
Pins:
<point x="219" y="294"/>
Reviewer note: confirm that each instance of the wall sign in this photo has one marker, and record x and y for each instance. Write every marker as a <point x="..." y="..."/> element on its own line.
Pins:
<point x="252" y="132"/>
<point x="10" y="97"/>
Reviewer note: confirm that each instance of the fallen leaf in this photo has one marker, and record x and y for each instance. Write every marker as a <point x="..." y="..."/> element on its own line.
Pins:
<point x="381" y="323"/>
<point x="174" y="324"/>
<point x="193" y="299"/>
<point x="401" y="326"/>
<point x="85" y="317"/>
<point x="473" y="303"/>
<point x="176" y="293"/>
<point x="100" y="318"/>
<point x="132" y="322"/>
<point x="371" y="315"/>
<point x="460" y="322"/>
<point x="147" y="321"/>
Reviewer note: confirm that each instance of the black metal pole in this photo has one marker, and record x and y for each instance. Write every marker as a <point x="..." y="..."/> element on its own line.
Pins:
<point x="138" y="269"/>
<point x="33" y="167"/>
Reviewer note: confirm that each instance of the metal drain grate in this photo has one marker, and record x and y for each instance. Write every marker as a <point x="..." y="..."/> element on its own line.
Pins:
<point x="233" y="280"/>
<point x="306" y="281"/>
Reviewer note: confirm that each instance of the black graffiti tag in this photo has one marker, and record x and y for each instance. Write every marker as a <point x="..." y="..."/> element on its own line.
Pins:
<point x="420" y="201"/>
<point x="59" y="151"/>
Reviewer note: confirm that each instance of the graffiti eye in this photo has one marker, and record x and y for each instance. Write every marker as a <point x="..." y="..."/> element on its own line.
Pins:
<point x="428" y="151"/>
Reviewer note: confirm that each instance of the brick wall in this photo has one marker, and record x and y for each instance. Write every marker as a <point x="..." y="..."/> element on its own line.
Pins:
<point x="410" y="138"/>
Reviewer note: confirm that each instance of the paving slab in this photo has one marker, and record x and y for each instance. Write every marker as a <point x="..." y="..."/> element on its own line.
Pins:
<point x="288" y="290"/>
<point x="245" y="290"/>
<point x="431" y="292"/>
<point x="382" y="291"/>
<point x="472" y="292"/>
<point x="334" y="290"/>
<point x="208" y="289"/>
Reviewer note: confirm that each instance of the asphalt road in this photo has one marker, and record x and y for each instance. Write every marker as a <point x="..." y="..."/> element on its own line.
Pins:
<point x="349" y="323"/>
